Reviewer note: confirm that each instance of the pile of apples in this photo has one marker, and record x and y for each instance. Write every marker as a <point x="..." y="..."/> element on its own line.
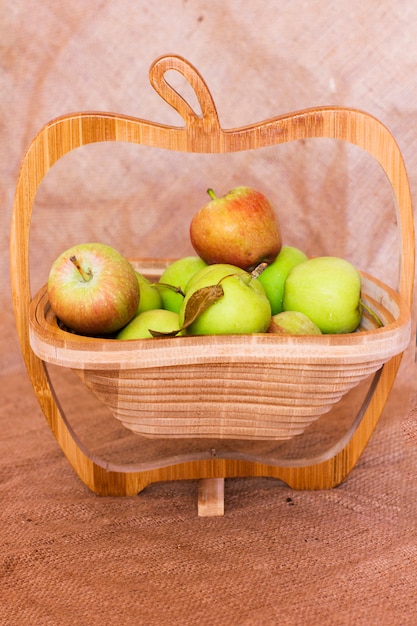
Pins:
<point x="242" y="280"/>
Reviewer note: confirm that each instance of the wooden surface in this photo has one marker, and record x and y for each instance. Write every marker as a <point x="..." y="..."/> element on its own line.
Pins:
<point x="203" y="134"/>
<point x="211" y="497"/>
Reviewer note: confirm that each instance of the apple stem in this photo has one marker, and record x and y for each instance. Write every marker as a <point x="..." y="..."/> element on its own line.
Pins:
<point x="86" y="275"/>
<point x="172" y="287"/>
<point x="372" y="313"/>
<point x="255" y="273"/>
<point x="212" y="194"/>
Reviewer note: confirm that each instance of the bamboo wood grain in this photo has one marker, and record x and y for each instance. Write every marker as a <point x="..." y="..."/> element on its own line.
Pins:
<point x="211" y="497"/>
<point x="203" y="134"/>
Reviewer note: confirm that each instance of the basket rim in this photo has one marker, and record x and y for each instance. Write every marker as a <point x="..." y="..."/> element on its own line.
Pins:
<point x="58" y="346"/>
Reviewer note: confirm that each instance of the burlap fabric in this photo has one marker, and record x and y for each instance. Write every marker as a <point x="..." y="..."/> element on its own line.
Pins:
<point x="345" y="556"/>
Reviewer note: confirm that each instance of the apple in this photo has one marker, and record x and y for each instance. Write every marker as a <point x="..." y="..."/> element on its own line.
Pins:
<point x="93" y="289"/>
<point x="328" y="290"/>
<point x="199" y="274"/>
<point x="243" y="307"/>
<point x="293" y="323"/>
<point x="177" y="274"/>
<point x="274" y="276"/>
<point x="240" y="228"/>
<point x="157" y="319"/>
<point x="150" y="298"/>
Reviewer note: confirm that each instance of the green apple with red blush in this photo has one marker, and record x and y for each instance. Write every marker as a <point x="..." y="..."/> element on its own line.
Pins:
<point x="93" y="289"/>
<point x="292" y="323"/>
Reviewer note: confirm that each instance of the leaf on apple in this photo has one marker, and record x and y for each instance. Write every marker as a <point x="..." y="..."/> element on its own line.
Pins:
<point x="199" y="302"/>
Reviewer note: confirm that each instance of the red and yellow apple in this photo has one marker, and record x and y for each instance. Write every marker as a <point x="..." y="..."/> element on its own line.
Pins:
<point x="241" y="228"/>
<point x="93" y="289"/>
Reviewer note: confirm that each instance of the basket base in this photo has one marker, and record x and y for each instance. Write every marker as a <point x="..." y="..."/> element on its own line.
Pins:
<point x="262" y="402"/>
<point x="98" y="429"/>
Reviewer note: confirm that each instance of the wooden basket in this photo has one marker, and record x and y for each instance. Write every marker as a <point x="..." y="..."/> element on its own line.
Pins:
<point x="257" y="387"/>
<point x="234" y="387"/>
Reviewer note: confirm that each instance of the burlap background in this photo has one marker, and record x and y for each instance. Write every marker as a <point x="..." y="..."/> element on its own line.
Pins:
<point x="345" y="556"/>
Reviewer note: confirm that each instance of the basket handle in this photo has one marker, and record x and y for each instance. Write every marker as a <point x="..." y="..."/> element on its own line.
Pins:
<point x="209" y="121"/>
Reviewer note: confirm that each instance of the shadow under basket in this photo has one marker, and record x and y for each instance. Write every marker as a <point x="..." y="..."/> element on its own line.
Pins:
<point x="257" y="387"/>
<point x="240" y="387"/>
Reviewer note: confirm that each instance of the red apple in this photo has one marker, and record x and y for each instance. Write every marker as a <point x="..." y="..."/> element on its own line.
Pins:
<point x="93" y="289"/>
<point x="240" y="228"/>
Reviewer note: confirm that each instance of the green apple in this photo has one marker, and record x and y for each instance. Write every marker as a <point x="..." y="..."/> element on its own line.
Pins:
<point x="243" y="308"/>
<point x="274" y="276"/>
<point x="197" y="276"/>
<point x="293" y="323"/>
<point x="93" y="289"/>
<point x="227" y="268"/>
<point x="328" y="290"/>
<point x="177" y="274"/>
<point x="150" y="298"/>
<point x="158" y="319"/>
<point x="241" y="228"/>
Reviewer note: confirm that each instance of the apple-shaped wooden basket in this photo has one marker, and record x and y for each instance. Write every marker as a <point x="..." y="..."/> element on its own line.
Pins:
<point x="257" y="387"/>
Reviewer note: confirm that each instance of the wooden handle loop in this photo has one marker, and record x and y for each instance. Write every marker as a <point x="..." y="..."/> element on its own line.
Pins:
<point x="209" y="119"/>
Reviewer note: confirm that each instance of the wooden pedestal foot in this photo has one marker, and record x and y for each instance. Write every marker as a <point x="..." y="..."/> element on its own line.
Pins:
<point x="211" y="497"/>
